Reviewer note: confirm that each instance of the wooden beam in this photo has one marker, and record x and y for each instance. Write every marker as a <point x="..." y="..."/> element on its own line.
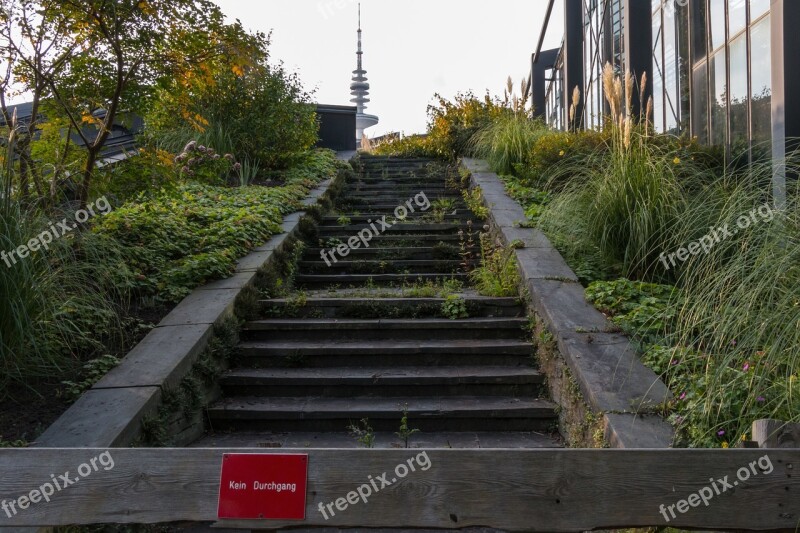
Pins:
<point x="770" y="433"/>
<point x="515" y="490"/>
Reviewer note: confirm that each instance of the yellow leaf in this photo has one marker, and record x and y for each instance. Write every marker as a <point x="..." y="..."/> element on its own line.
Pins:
<point x="239" y="71"/>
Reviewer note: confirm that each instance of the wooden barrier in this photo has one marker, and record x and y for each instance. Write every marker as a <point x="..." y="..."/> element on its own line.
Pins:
<point x="525" y="490"/>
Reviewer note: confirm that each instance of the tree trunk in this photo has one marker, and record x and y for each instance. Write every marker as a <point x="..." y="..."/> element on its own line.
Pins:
<point x="83" y="189"/>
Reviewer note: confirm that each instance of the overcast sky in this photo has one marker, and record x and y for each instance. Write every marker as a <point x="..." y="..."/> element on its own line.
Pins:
<point x="412" y="48"/>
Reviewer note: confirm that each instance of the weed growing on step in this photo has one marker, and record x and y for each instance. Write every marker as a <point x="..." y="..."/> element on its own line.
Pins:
<point x="497" y="274"/>
<point x="467" y="248"/>
<point x="363" y="433"/>
<point x="443" y="207"/>
<point x="454" y="307"/>
<point x="474" y="200"/>
<point x="405" y="432"/>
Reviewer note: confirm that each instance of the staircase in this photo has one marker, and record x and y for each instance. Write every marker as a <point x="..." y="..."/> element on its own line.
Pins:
<point x="365" y="337"/>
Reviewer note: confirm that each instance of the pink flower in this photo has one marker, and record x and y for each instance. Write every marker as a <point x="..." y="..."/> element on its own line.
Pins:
<point x="683" y="396"/>
<point x="761" y="399"/>
<point x="746" y="367"/>
<point x="720" y="432"/>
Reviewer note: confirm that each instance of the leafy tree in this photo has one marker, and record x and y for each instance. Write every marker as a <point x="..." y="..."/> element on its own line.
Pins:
<point x="36" y="46"/>
<point x="237" y="99"/>
<point x="110" y="58"/>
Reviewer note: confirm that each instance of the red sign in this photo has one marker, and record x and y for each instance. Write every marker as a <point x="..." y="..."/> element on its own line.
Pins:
<point x="263" y="486"/>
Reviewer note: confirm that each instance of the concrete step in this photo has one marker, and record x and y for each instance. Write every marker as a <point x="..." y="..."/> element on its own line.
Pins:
<point x="365" y="266"/>
<point x="385" y="329"/>
<point x="319" y="281"/>
<point x="346" y="382"/>
<point x="440" y="252"/>
<point x="465" y="413"/>
<point x="397" y="227"/>
<point x="460" y="216"/>
<point x="383" y="440"/>
<point x="477" y="306"/>
<point x="399" y="240"/>
<point x="280" y="353"/>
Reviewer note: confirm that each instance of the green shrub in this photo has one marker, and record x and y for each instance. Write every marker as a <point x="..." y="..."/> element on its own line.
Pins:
<point x="410" y="146"/>
<point x="507" y="141"/>
<point x="239" y="103"/>
<point x="452" y="125"/>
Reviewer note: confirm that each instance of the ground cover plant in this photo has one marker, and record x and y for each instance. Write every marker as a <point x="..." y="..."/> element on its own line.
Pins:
<point x="226" y="151"/>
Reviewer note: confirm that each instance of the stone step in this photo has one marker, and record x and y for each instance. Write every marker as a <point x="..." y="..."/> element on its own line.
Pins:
<point x="466" y="413"/>
<point x="403" y="189"/>
<point x="396" y="228"/>
<point x="320" y="281"/>
<point x="383" y="440"/>
<point x="405" y="186"/>
<point x="442" y="252"/>
<point x="375" y="206"/>
<point x="346" y="382"/>
<point x="393" y="241"/>
<point x="280" y="353"/>
<point x="388" y="307"/>
<point x="460" y="216"/>
<point x="385" y="329"/>
<point x="364" y="266"/>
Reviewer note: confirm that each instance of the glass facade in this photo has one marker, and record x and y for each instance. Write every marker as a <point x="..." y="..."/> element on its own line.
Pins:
<point x="556" y="110"/>
<point x="670" y="71"/>
<point x="603" y="41"/>
<point x="711" y="69"/>
<point x="731" y="75"/>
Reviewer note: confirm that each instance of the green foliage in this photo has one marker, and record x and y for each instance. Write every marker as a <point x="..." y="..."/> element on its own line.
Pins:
<point x="93" y="371"/>
<point x="497" y="274"/>
<point x="454" y="307"/>
<point x="532" y="199"/>
<point x="743" y="308"/>
<point x="644" y="310"/>
<point x="474" y="200"/>
<point x="554" y="154"/>
<point x="55" y="299"/>
<point x="442" y="207"/>
<point x="176" y="240"/>
<point x="507" y="141"/>
<point x="452" y="125"/>
<point x="363" y="433"/>
<point x="405" y="432"/>
<point x="13" y="443"/>
<point x="409" y="146"/>
<point x="254" y="109"/>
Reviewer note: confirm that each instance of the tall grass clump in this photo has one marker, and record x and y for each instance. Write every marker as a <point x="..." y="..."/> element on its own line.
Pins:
<point x="59" y="306"/>
<point x="630" y="192"/>
<point x="509" y="139"/>
<point x="741" y="316"/>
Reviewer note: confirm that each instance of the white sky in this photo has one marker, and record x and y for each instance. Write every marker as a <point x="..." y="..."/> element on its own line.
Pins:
<point x="412" y="48"/>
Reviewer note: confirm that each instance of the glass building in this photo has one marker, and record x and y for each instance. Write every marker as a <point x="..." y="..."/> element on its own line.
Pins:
<point x="724" y="71"/>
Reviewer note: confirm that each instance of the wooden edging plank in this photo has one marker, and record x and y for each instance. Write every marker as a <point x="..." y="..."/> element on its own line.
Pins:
<point x="514" y="490"/>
